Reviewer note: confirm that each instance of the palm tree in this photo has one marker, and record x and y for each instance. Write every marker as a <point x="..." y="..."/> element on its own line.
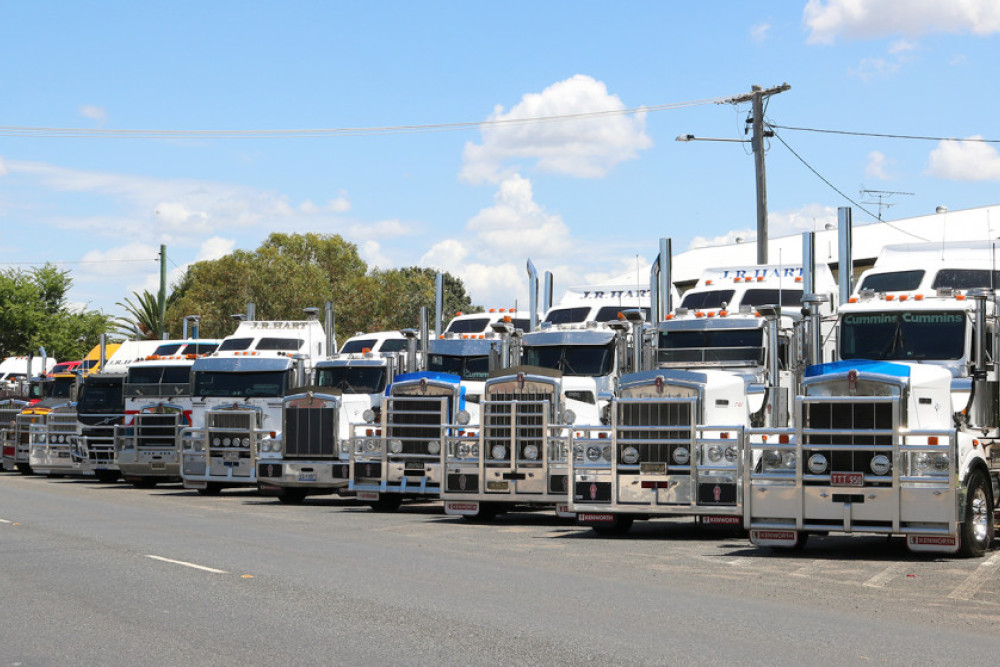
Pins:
<point x="144" y="319"/>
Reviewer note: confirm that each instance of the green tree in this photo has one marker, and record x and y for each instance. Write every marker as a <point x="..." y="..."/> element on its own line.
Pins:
<point x="34" y="314"/>
<point x="143" y="316"/>
<point x="289" y="272"/>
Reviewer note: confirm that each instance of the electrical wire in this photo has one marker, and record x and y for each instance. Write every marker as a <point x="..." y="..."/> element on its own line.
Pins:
<point x="835" y="189"/>
<point x="77" y="132"/>
<point x="78" y="261"/>
<point x="885" y="136"/>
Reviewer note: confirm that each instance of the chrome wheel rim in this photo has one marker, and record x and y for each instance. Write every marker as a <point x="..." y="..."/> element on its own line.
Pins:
<point x="980" y="515"/>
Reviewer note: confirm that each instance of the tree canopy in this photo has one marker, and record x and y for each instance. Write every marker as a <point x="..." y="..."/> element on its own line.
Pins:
<point x="34" y="314"/>
<point x="290" y="272"/>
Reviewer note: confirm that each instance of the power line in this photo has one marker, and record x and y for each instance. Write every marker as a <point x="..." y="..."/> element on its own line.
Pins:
<point x="837" y="190"/>
<point x="78" y="132"/>
<point x="885" y="136"/>
<point x="77" y="261"/>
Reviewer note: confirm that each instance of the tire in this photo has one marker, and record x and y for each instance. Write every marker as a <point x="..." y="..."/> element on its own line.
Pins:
<point x="144" y="483"/>
<point x="800" y="543"/>
<point x="487" y="512"/>
<point x="107" y="476"/>
<point x="387" y="503"/>
<point x="289" y="496"/>
<point x="211" y="489"/>
<point x="976" y="532"/>
<point x="24" y="468"/>
<point x="620" y="526"/>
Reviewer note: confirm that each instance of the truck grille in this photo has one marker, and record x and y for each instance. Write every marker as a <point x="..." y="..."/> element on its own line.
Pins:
<point x="230" y="429"/>
<point x="858" y="424"/>
<point x="244" y="420"/>
<point x="156" y="430"/>
<point x="100" y="442"/>
<point x="517" y="417"/>
<point x="655" y="445"/>
<point x="415" y="421"/>
<point x="310" y="432"/>
<point x="62" y="427"/>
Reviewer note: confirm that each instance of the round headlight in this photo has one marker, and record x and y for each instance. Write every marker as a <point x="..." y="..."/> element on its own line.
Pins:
<point x="226" y="441"/>
<point x="531" y="452"/>
<point x="463" y="450"/>
<point x="371" y="444"/>
<point x="434" y="447"/>
<point x="817" y="464"/>
<point x="246" y="443"/>
<point x="939" y="462"/>
<point x="368" y="415"/>
<point x="578" y="449"/>
<point x="498" y="452"/>
<point x="594" y="453"/>
<point x="730" y="453"/>
<point x="606" y="453"/>
<point x="266" y="446"/>
<point x="359" y="444"/>
<point x="715" y="453"/>
<point x="395" y="445"/>
<point x="922" y="461"/>
<point x="788" y="459"/>
<point x="61" y="438"/>
<point x="475" y="451"/>
<point x="772" y="458"/>
<point x="880" y="464"/>
<point x="345" y="445"/>
<point x="216" y="441"/>
<point x="682" y="456"/>
<point x="630" y="455"/>
<point x="463" y="417"/>
<point x="568" y="417"/>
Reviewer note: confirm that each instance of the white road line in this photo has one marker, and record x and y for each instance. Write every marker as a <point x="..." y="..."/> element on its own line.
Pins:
<point x="185" y="564"/>
<point x="810" y="569"/>
<point x="5" y="521"/>
<point x="968" y="588"/>
<point x="883" y="577"/>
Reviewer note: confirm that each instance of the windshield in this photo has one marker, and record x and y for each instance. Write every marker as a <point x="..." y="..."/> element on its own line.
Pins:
<point x="159" y="374"/>
<point x="893" y="281"/>
<point x="712" y="299"/>
<point x="568" y="315"/>
<point x="467" y="368"/>
<point x="101" y="397"/>
<point x="357" y="346"/>
<point x="903" y="336"/>
<point x="768" y="297"/>
<point x="289" y="344"/>
<point x="713" y="345"/>
<point x="477" y="325"/>
<point x="965" y="278"/>
<point x="235" y="344"/>
<point x="58" y="387"/>
<point x="353" y="379"/>
<point x="200" y="348"/>
<point x="167" y="349"/>
<point x="610" y="313"/>
<point x="240" y="385"/>
<point x="579" y="360"/>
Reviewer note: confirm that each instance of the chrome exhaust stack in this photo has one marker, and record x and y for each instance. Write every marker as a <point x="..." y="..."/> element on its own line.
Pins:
<point x="532" y="296"/>
<point x="845" y="258"/>
<point x="438" y="304"/>
<point x="983" y="401"/>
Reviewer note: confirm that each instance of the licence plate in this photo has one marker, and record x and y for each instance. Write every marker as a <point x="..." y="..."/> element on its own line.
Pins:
<point x="307" y="477"/>
<point x="62" y="455"/>
<point x="497" y="486"/>
<point x="653" y="468"/>
<point x="230" y="456"/>
<point x="413" y="465"/>
<point x="847" y="479"/>
<point x="367" y="495"/>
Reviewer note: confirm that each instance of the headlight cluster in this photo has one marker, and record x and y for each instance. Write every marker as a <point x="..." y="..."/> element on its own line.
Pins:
<point x="465" y="450"/>
<point x="270" y="445"/>
<point x="716" y="453"/>
<point x="369" y="445"/>
<point x="226" y="441"/>
<point x="930" y="463"/>
<point x="779" y="461"/>
<point x="597" y="453"/>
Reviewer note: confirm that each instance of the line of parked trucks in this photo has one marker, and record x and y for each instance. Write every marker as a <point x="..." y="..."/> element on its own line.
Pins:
<point x="771" y="399"/>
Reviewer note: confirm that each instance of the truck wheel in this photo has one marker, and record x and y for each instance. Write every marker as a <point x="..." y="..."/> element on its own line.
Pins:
<point x="291" y="496"/>
<point x="388" y="502"/>
<point x="978" y="528"/>
<point x="487" y="512"/>
<point x="620" y="526"/>
<point x="24" y="468"/>
<point x="144" y="483"/>
<point x="107" y="476"/>
<point x="211" y="489"/>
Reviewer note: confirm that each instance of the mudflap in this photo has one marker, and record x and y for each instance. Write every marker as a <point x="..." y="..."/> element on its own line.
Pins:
<point x="596" y="518"/>
<point x="461" y="507"/>
<point x="783" y="539"/>
<point x="195" y="485"/>
<point x="948" y="544"/>
<point x="735" y="521"/>
<point x="367" y="496"/>
<point x="562" y="511"/>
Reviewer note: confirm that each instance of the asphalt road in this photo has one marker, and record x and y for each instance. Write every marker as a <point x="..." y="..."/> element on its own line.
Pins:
<point x="106" y="574"/>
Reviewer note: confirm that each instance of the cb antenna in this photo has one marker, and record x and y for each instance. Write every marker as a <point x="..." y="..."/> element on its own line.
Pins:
<point x="882" y="197"/>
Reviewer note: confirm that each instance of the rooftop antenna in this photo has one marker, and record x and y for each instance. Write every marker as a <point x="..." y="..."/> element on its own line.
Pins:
<point x="882" y="197"/>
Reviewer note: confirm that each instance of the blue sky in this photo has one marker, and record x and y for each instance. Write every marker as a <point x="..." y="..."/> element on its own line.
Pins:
<point x="583" y="198"/>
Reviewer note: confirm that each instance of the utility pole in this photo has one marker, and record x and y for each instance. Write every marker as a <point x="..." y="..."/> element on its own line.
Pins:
<point x="163" y="291"/>
<point x="756" y="98"/>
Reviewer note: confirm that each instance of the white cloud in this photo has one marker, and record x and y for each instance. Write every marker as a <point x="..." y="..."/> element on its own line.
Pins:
<point x="340" y="204"/>
<point x="308" y="207"/>
<point x="214" y="248"/>
<point x="516" y="222"/>
<point x="867" y="19"/>
<point x="123" y="263"/>
<point x="876" y="168"/>
<point x="383" y="229"/>
<point x="3" y="168"/>
<point x="371" y="252"/>
<point x="97" y="114"/>
<point x="758" y="33"/>
<point x="809" y="218"/>
<point x="448" y="255"/>
<point x="965" y="161"/>
<point x="902" y="46"/>
<point x="583" y="147"/>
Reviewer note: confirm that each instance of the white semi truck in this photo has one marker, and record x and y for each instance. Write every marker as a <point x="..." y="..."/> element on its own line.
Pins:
<point x="899" y="437"/>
